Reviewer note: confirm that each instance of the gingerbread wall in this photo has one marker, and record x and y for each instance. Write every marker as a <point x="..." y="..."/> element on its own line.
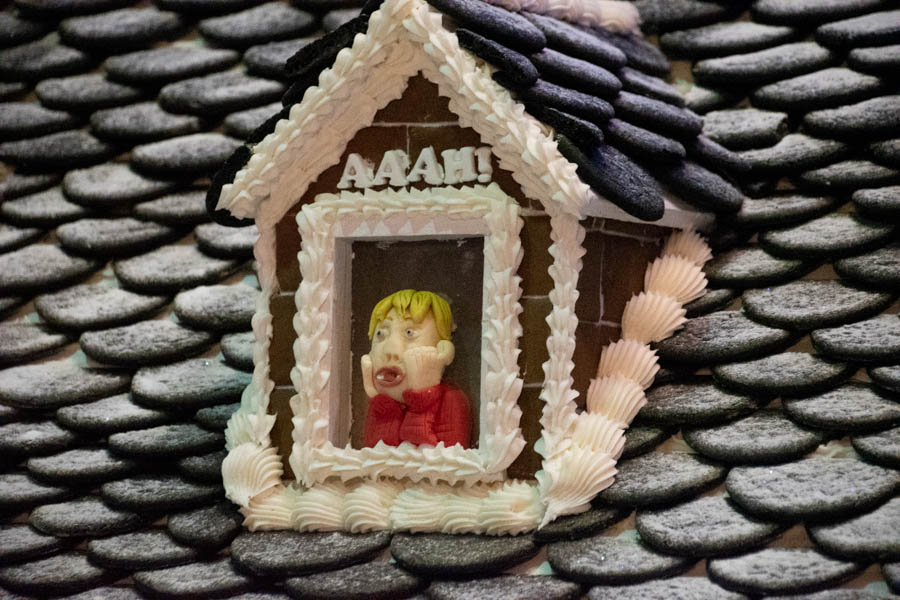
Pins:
<point x="617" y="254"/>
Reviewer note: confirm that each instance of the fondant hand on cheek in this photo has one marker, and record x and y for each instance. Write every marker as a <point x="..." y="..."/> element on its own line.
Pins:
<point x="425" y="364"/>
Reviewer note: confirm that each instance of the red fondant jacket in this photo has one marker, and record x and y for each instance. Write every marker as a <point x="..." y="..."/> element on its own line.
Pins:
<point x="428" y="416"/>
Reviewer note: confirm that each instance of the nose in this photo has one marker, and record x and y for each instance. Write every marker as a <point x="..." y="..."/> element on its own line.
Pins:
<point x="393" y="347"/>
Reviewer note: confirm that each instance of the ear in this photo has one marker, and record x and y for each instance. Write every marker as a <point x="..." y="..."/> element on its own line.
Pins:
<point x="446" y="351"/>
<point x="368" y="376"/>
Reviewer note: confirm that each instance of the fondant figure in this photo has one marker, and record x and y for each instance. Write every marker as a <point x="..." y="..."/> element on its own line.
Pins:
<point x="402" y="373"/>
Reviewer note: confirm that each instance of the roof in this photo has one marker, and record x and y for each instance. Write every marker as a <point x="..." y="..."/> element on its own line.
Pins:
<point x="781" y="390"/>
<point x="625" y="129"/>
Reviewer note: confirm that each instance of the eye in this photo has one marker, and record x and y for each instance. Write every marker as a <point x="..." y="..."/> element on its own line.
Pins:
<point x="410" y="333"/>
<point x="379" y="335"/>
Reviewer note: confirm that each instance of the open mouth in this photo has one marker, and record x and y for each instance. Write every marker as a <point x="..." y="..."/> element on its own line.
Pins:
<point x="389" y="376"/>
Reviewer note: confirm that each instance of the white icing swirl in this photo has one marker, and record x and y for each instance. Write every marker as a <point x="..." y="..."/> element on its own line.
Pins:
<point x="688" y="244"/>
<point x="599" y="433"/>
<point x="617" y="397"/>
<point x="569" y="481"/>
<point x="368" y="507"/>
<point x="270" y="510"/>
<point x="677" y="277"/>
<point x="631" y="359"/>
<point x="651" y="317"/>
<point x="320" y="508"/>
<point x="250" y="470"/>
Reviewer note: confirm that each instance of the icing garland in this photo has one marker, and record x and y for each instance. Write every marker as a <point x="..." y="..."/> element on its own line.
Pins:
<point x="614" y="15"/>
<point x="580" y="450"/>
<point x="314" y="458"/>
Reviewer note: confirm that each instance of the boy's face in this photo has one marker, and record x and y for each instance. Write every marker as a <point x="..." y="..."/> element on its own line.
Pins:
<point x="394" y="367"/>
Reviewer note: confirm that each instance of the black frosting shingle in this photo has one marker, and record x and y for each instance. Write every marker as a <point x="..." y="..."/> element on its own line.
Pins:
<point x="509" y="29"/>
<point x="120" y="30"/>
<point x="659" y="479"/>
<point x="765" y="437"/>
<point x="140" y="123"/>
<point x="852" y="407"/>
<point x="879" y="269"/>
<point x="443" y="556"/>
<point x="58" y="575"/>
<point x="782" y="209"/>
<point x="43" y="58"/>
<point x="112" y="185"/>
<point x="874" y="340"/>
<point x="95" y="306"/>
<point x="823" y="89"/>
<point x="209" y="528"/>
<point x="16" y="29"/>
<point x="726" y="336"/>
<point x="881" y="60"/>
<point x="846" y="176"/>
<point x="764" y="66"/>
<point x="277" y="554"/>
<point x="158" y="66"/>
<point x="56" y="151"/>
<point x="808" y="305"/>
<point x="642" y="144"/>
<point x="812" y="12"/>
<point x="22" y="340"/>
<point x="158" y="493"/>
<point x="578" y="42"/>
<point x="41" y="267"/>
<point x="661" y="589"/>
<point x="876" y="118"/>
<point x="20" y="542"/>
<point x="171" y="268"/>
<point x="26" y="119"/>
<point x="270" y="60"/>
<point x="785" y="374"/>
<point x="881" y="202"/>
<point x="614" y="175"/>
<point x="372" y="580"/>
<point x="668" y="15"/>
<point x="523" y="587"/>
<point x="812" y="488"/>
<point x="165" y="442"/>
<point x="780" y="571"/>
<point x="613" y="560"/>
<point x="723" y="39"/>
<point x="881" y="448"/>
<point x="215" y="578"/>
<point x="795" y="152"/>
<point x="220" y="307"/>
<point x="110" y="415"/>
<point x="35" y="437"/>
<point x="743" y="129"/>
<point x="576" y="73"/>
<point x="264" y="23"/>
<point x="834" y="235"/>
<point x="81" y="467"/>
<point x="726" y="530"/>
<point x="218" y="94"/>
<point x="870" y="537"/>
<point x="88" y="516"/>
<point x="183" y="208"/>
<point x="144" y="343"/>
<point x="873" y="29"/>
<point x="184" y="156"/>
<point x="193" y="383"/>
<point x="697" y="402"/>
<point x="141" y="550"/>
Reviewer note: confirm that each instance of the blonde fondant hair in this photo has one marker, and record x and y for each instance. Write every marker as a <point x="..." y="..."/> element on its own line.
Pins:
<point x="414" y="304"/>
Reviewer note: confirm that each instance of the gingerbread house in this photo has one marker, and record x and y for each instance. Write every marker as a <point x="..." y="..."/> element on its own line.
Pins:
<point x="419" y="148"/>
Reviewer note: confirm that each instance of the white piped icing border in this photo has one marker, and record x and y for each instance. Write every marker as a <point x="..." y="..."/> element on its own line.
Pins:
<point x="486" y="210"/>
